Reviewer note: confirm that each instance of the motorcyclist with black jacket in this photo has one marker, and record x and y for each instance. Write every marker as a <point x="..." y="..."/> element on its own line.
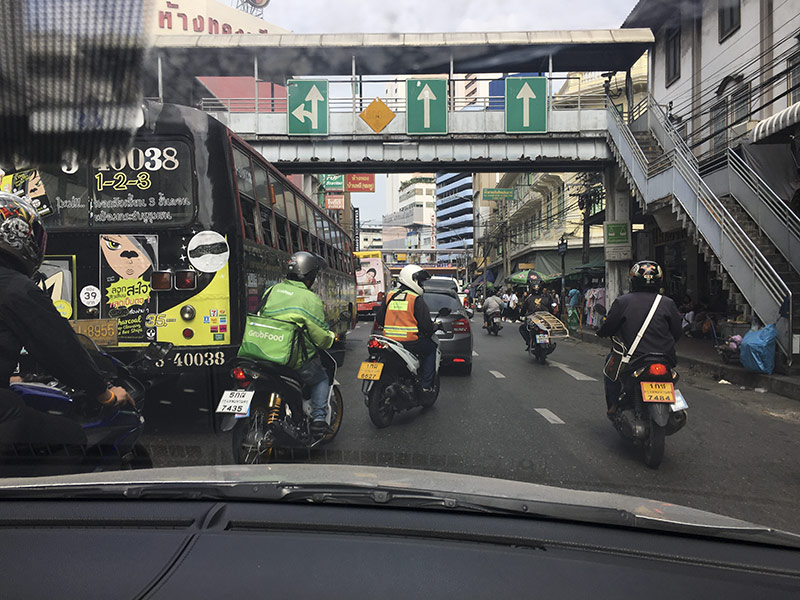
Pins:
<point x="628" y="314"/>
<point x="29" y="319"/>
<point x="533" y="303"/>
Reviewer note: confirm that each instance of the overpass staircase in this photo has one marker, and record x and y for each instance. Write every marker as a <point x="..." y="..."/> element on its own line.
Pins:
<point x="748" y="235"/>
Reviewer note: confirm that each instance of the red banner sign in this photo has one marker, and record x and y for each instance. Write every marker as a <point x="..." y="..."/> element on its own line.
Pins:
<point x="360" y="182"/>
<point x="334" y="201"/>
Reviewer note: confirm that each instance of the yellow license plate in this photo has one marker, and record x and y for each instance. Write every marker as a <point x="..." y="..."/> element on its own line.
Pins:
<point x="370" y="370"/>
<point x="658" y="391"/>
<point x="102" y="331"/>
<point x="360" y="300"/>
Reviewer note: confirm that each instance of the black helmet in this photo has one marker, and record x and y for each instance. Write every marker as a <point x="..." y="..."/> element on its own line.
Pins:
<point x="646" y="276"/>
<point x="304" y="267"/>
<point x="22" y="235"/>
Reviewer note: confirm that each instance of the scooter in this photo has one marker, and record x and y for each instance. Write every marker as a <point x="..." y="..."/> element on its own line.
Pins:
<point x="541" y="344"/>
<point x="649" y="407"/>
<point x="390" y="380"/>
<point x="270" y="410"/>
<point x="112" y="432"/>
<point x="494" y="323"/>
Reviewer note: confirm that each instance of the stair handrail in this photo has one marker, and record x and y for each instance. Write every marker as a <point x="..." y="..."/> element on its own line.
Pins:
<point x="685" y="163"/>
<point x="771" y="200"/>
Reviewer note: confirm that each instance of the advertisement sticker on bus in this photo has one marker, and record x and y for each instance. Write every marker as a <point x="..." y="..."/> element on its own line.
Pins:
<point x="126" y="265"/>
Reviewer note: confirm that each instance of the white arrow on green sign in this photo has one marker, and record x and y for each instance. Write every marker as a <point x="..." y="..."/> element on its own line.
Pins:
<point x="426" y="106"/>
<point x="526" y="105"/>
<point x="307" y="101"/>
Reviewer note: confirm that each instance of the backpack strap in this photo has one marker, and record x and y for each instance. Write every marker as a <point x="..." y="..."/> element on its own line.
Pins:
<point x="264" y="299"/>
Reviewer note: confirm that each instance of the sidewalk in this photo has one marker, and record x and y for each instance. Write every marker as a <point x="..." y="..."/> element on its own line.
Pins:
<point x="701" y="357"/>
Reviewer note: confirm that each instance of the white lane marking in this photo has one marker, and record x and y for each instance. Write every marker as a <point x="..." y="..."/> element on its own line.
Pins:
<point x="572" y="372"/>
<point x="498" y="374"/>
<point x="550" y="416"/>
<point x="475" y="353"/>
<point x="357" y="326"/>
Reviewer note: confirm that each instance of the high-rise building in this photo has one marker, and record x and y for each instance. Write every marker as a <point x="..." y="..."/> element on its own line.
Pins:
<point x="410" y="226"/>
<point x="454" y="219"/>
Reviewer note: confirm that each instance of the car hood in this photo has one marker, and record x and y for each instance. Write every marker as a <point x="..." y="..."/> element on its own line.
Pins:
<point x="640" y="511"/>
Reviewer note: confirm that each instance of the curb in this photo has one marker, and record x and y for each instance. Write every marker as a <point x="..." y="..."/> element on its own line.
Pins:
<point x="788" y="387"/>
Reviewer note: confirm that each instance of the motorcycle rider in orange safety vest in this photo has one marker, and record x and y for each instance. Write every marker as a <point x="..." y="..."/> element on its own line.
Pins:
<point x="406" y="318"/>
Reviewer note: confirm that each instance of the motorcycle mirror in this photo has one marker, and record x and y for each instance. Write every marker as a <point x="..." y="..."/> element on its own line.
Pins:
<point x="345" y="315"/>
<point x="443" y="312"/>
<point x="600" y="309"/>
<point x="470" y="313"/>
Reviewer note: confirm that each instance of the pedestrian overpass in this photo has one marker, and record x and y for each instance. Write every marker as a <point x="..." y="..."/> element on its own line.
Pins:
<point x="437" y="126"/>
<point x="463" y="127"/>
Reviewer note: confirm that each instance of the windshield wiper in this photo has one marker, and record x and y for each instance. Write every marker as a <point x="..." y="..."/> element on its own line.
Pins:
<point x="396" y="497"/>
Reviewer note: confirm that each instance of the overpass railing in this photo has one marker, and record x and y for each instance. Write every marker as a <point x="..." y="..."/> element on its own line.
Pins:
<point x="354" y="100"/>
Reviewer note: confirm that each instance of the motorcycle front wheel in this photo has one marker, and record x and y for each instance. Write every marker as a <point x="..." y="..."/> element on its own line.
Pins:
<point x="654" y="445"/>
<point x="381" y="411"/>
<point x="248" y="438"/>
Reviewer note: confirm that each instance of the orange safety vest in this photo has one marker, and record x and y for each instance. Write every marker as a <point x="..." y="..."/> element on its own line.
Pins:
<point x="400" y="324"/>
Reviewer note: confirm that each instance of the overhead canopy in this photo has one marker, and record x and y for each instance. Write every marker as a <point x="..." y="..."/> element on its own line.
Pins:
<point x="777" y="128"/>
<point x="282" y="56"/>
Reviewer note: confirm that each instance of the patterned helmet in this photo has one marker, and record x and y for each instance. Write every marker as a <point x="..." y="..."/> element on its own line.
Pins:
<point x="646" y="276"/>
<point x="22" y="235"/>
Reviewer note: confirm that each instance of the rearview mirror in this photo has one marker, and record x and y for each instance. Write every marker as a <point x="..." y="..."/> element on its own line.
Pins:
<point x="345" y="316"/>
<point x="600" y="310"/>
<point x="470" y="313"/>
<point x="443" y="312"/>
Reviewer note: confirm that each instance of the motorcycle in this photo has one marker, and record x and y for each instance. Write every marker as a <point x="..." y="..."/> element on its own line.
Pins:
<point x="389" y="378"/>
<point x="650" y="407"/>
<point x="494" y="323"/>
<point x="271" y="411"/>
<point x="541" y="343"/>
<point x="112" y="432"/>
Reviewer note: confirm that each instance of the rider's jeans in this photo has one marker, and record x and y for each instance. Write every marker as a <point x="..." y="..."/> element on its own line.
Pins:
<point x="20" y="424"/>
<point x="315" y="378"/>
<point x="425" y="349"/>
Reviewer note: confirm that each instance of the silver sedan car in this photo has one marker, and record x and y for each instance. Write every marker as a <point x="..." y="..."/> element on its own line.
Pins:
<point x="455" y="341"/>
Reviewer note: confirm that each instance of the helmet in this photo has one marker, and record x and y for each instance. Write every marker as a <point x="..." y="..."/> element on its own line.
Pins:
<point x="22" y="235"/>
<point x="646" y="276"/>
<point x="413" y="276"/>
<point x="304" y="267"/>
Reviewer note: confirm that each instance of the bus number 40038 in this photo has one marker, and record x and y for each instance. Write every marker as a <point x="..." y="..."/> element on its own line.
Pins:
<point x="195" y="359"/>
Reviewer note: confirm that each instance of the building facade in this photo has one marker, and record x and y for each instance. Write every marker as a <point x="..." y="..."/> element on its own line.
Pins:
<point x="371" y="237"/>
<point x="454" y="212"/>
<point x="412" y="225"/>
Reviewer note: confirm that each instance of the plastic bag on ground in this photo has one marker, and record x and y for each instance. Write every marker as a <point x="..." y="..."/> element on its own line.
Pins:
<point x="757" y="352"/>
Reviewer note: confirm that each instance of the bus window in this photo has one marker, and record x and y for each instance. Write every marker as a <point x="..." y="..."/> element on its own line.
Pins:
<point x="244" y="181"/>
<point x="280" y="212"/>
<point x="291" y="208"/>
<point x="295" y="230"/>
<point x="264" y="196"/>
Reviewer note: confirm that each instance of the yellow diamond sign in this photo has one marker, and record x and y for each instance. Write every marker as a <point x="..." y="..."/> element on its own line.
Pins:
<point x="377" y="115"/>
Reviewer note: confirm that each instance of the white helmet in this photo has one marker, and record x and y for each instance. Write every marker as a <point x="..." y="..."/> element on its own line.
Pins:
<point x="412" y="276"/>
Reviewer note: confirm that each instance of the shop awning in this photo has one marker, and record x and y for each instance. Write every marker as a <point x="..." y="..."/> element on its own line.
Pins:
<point x="775" y="129"/>
<point x="596" y="263"/>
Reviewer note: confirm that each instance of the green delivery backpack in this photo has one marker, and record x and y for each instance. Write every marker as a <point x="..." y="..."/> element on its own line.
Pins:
<point x="272" y="340"/>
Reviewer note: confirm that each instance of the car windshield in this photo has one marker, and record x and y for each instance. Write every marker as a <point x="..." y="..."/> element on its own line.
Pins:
<point x="627" y="170"/>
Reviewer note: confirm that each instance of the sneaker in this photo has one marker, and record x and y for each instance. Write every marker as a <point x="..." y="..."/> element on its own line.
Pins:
<point x="319" y="426"/>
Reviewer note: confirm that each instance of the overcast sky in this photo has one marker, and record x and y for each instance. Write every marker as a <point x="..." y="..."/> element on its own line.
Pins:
<point x="414" y="16"/>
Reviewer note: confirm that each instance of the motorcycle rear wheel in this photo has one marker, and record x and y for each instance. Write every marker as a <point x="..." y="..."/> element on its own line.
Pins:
<point x="654" y="444"/>
<point x="539" y="355"/>
<point x="244" y="451"/>
<point x="381" y="411"/>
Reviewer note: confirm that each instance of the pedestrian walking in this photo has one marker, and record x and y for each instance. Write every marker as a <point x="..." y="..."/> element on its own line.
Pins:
<point x="513" y="306"/>
<point x="506" y="298"/>
<point x="573" y="309"/>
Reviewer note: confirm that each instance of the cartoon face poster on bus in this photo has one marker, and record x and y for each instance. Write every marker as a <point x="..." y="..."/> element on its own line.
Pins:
<point x="126" y="266"/>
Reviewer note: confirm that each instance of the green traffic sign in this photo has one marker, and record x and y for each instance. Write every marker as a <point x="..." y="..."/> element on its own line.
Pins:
<point x="426" y="106"/>
<point x="307" y="101"/>
<point x="526" y="105"/>
<point x="498" y="194"/>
